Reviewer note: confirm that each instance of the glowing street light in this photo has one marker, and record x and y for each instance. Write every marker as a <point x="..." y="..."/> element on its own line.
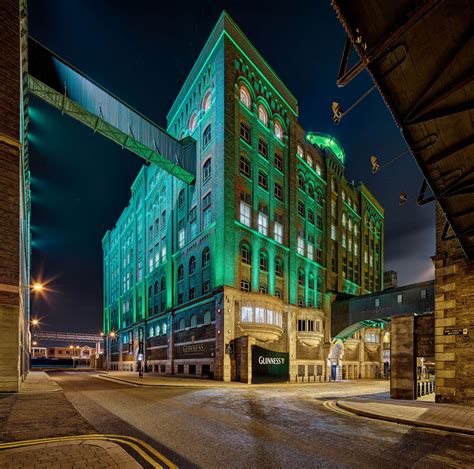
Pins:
<point x="37" y="287"/>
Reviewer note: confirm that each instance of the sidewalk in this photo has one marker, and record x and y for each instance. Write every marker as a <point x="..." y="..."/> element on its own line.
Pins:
<point x="449" y="417"/>
<point x="39" y="381"/>
<point x="81" y="453"/>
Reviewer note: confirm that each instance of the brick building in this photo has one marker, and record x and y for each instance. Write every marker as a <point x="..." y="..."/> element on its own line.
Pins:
<point x="202" y="278"/>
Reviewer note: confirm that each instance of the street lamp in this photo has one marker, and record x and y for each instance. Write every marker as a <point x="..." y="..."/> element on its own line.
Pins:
<point x="112" y="335"/>
<point x="37" y="287"/>
<point x="35" y="322"/>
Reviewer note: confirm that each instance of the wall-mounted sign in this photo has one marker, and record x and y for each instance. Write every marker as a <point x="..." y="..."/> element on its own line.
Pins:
<point x="229" y="349"/>
<point x="196" y="350"/>
<point x="268" y="366"/>
<point x="455" y="331"/>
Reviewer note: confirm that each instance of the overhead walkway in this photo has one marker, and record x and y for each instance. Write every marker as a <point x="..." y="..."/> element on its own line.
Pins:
<point x="66" y="88"/>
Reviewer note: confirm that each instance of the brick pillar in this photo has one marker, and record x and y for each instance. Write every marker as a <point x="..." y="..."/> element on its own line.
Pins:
<point x="454" y="307"/>
<point x="10" y="157"/>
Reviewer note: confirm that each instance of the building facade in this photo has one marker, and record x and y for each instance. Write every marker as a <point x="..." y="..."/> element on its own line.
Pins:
<point x="203" y="279"/>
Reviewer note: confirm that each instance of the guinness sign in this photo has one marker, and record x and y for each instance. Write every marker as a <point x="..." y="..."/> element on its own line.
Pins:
<point x="269" y="366"/>
<point x="196" y="350"/>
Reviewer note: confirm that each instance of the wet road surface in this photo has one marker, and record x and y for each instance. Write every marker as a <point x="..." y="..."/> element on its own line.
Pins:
<point x="261" y="426"/>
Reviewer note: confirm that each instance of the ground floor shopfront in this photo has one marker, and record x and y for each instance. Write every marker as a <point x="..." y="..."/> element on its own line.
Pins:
<point x="250" y="338"/>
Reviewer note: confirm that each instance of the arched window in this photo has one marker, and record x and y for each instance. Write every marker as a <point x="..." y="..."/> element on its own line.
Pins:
<point x="301" y="182"/>
<point x="246" y="254"/>
<point x="318" y="169"/>
<point x="181" y="324"/>
<point x="278" y="267"/>
<point x="192" y="265"/>
<point x="206" y="257"/>
<point x="165" y="328"/>
<point x="299" y="150"/>
<point x="262" y="114"/>
<point x="245" y="98"/>
<point x="278" y="130"/>
<point x="193" y="320"/>
<point x="150" y="291"/>
<point x="207" y="317"/>
<point x="206" y="102"/>
<point x="157" y="330"/>
<point x="206" y="136"/>
<point x="156" y="287"/>
<point x="206" y="170"/>
<point x="311" y="281"/>
<point x="192" y="123"/>
<point x="180" y="273"/>
<point x="311" y="190"/>
<point x="301" y="277"/>
<point x="151" y="332"/>
<point x="163" y="283"/>
<point x="263" y="261"/>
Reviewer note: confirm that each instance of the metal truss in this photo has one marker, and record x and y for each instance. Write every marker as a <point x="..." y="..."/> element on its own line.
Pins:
<point x="353" y="328"/>
<point x="67" y="337"/>
<point x="98" y="124"/>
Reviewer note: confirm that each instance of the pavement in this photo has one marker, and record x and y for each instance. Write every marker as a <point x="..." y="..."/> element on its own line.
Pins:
<point x="448" y="417"/>
<point x="39" y="381"/>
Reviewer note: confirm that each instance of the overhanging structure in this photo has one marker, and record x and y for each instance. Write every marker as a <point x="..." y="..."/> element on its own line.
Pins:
<point x="66" y="88"/>
<point x="421" y="57"/>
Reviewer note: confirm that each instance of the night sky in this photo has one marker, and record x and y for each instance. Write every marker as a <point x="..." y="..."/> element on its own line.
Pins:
<point x="142" y="51"/>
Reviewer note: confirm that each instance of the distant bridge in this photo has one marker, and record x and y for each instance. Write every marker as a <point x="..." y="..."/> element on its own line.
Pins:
<point x="375" y="309"/>
<point x="71" y="337"/>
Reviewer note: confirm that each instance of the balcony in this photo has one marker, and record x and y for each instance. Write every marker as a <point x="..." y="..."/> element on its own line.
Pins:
<point x="371" y="346"/>
<point x="310" y="338"/>
<point x="351" y="344"/>
<point x="261" y="331"/>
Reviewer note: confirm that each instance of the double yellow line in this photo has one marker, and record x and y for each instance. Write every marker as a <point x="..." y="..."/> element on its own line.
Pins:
<point x="146" y="451"/>
<point x="332" y="405"/>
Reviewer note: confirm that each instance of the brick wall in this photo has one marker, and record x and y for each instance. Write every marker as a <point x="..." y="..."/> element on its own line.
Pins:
<point x="454" y="307"/>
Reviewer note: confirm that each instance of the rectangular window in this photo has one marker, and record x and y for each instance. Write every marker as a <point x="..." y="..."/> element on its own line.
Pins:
<point x="278" y="233"/>
<point x="278" y="191"/>
<point x="193" y="222"/>
<point x="245" y="214"/>
<point x="377" y="302"/>
<point x="263" y="180"/>
<point x="163" y="249"/>
<point x="301" y="209"/>
<point x="333" y="232"/>
<point x="278" y="293"/>
<point x="356" y="249"/>
<point x="311" y="216"/>
<point x="206" y="170"/>
<point x="192" y="293"/>
<point x="259" y="314"/>
<point x="310" y="251"/>
<point x="319" y="256"/>
<point x="247" y="314"/>
<point x="263" y="148"/>
<point x="206" y="287"/>
<point x="301" y="325"/>
<point x="206" y="210"/>
<point x="310" y="325"/>
<point x="371" y="263"/>
<point x="245" y="132"/>
<point x="319" y="222"/>
<point x="300" y="246"/>
<point x="333" y="208"/>
<point x="366" y="257"/>
<point x="423" y="294"/>
<point x="245" y="167"/>
<point x="343" y="240"/>
<point x="245" y="285"/>
<point x="181" y="239"/>
<point x="278" y="162"/>
<point x="263" y="289"/>
<point x="262" y="223"/>
<point x="400" y="298"/>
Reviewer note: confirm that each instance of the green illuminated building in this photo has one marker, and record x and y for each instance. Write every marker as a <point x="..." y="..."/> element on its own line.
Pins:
<point x="253" y="252"/>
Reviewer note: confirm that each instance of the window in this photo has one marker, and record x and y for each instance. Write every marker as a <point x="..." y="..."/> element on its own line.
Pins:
<point x="262" y="114"/>
<point x="318" y="169"/>
<point x="206" y="170"/>
<point x="311" y="191"/>
<point x="206" y="210"/>
<point x="259" y="314"/>
<point x="278" y="130"/>
<point x="245" y="132"/>
<point x="181" y="199"/>
<point x="377" y="302"/>
<point x="310" y="251"/>
<point x="333" y="232"/>
<point x="263" y="148"/>
<point x="300" y="301"/>
<point x="263" y="180"/>
<point x="319" y="222"/>
<point x="245" y="254"/>
<point x="371" y="263"/>
<point x="301" y="209"/>
<point x="193" y="320"/>
<point x="278" y="232"/>
<point x="343" y="240"/>
<point x="180" y="298"/>
<point x="299" y="150"/>
<point x="263" y="289"/>
<point x="334" y="185"/>
<point x="205" y="287"/>
<point x="181" y="324"/>
<point x="309" y="159"/>
<point x="423" y="294"/>
<point x="245" y="98"/>
<point x="163" y="284"/>
<point x="301" y="325"/>
<point x="192" y="265"/>
<point x="278" y="191"/>
<point x="278" y="161"/>
<point x="206" y="136"/>
<point x="301" y="183"/>
<point x="245" y="167"/>
<point x="262" y="223"/>
<point x="245" y="285"/>
<point x="263" y="261"/>
<point x="207" y="317"/>
<point x="192" y="293"/>
<point x="333" y="208"/>
<point x="192" y="123"/>
<point x="247" y="314"/>
<point x="206" y="257"/>
<point x="278" y="293"/>
<point x="151" y="332"/>
<point x="163" y="218"/>
<point x="181" y="239"/>
<point x="356" y="249"/>
<point x="155" y="289"/>
<point x="206" y="102"/>
<point x="311" y="216"/>
<point x="344" y="219"/>
<point x="180" y="273"/>
<point x="278" y="267"/>
<point x="301" y="277"/>
<point x="300" y="246"/>
<point x="245" y="213"/>
<point x="193" y="222"/>
<point x="400" y="298"/>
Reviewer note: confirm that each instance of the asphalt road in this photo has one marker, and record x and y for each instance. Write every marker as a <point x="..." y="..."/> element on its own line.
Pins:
<point x="261" y="426"/>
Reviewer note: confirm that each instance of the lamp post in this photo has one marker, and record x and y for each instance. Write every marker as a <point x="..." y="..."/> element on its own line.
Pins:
<point x="109" y="336"/>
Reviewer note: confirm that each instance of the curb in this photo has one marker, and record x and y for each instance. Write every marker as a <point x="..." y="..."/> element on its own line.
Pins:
<point x="132" y="383"/>
<point x="403" y="421"/>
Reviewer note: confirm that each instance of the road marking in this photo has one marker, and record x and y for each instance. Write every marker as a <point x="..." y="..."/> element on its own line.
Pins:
<point x="331" y="405"/>
<point x="146" y="451"/>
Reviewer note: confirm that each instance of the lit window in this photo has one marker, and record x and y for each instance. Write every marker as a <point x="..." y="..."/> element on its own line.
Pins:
<point x="371" y="260"/>
<point x="247" y="314"/>
<point x="152" y="332"/>
<point x="300" y="246"/>
<point x="278" y="232"/>
<point x="245" y="213"/>
<point x="343" y="240"/>
<point x="163" y="249"/>
<point x="245" y="97"/>
<point x="309" y="159"/>
<point x="165" y="327"/>
<point x="366" y="257"/>
<point x="343" y="196"/>
<point x="318" y="169"/>
<point x="192" y="123"/>
<point x="333" y="232"/>
<point x="262" y="114"/>
<point x="270" y="316"/>
<point x="344" y="219"/>
<point x="350" y="245"/>
<point x="400" y="298"/>
<point x="259" y="314"/>
<point x="181" y="234"/>
<point x="423" y="294"/>
<point x="262" y="223"/>
<point x="206" y="102"/>
<point x="377" y="302"/>
<point x="310" y="251"/>
<point x="333" y="208"/>
<point x="278" y="130"/>
<point x="299" y="151"/>
<point x="356" y="249"/>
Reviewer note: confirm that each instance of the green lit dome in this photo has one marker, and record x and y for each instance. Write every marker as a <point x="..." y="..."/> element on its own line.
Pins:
<point x="326" y="141"/>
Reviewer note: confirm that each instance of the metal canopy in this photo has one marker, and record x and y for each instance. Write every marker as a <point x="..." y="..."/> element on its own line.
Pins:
<point x="69" y="90"/>
<point x="349" y="331"/>
<point x="421" y="56"/>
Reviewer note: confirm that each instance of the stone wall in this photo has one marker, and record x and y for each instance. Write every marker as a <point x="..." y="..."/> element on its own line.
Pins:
<point x="454" y="308"/>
